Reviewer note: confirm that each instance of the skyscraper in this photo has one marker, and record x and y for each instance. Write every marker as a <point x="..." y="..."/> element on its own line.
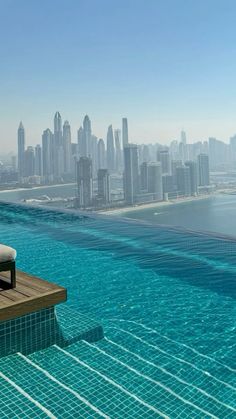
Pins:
<point x="193" y="175"/>
<point x="183" y="180"/>
<point x="155" y="180"/>
<point x="101" y="154"/>
<point x="110" y="150"/>
<point x="144" y="176"/>
<point x="21" y="150"/>
<point x="163" y="156"/>
<point x="80" y="138"/>
<point x="85" y="181"/>
<point x="57" y="147"/>
<point x="131" y="173"/>
<point x="118" y="152"/>
<point x="104" y="185"/>
<point x="203" y="170"/>
<point x="29" y="162"/>
<point x="47" y="155"/>
<point x="38" y="160"/>
<point x="87" y="132"/>
<point x="125" y="134"/>
<point x="67" y="148"/>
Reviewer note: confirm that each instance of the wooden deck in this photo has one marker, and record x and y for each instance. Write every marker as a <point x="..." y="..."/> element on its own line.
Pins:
<point x="31" y="294"/>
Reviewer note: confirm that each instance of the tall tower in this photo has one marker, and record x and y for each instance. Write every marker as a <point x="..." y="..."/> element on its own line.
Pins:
<point x="193" y="175"/>
<point x="110" y="150"/>
<point x="38" y="160"/>
<point x="85" y="181"/>
<point x="80" y="139"/>
<point x="203" y="170"/>
<point x="87" y="133"/>
<point x="101" y="154"/>
<point x="125" y="135"/>
<point x="118" y="162"/>
<point x="163" y="156"/>
<point x="155" y="180"/>
<point x="29" y="161"/>
<point x="131" y="173"/>
<point x="67" y="148"/>
<point x="21" y="150"/>
<point x="47" y="155"/>
<point x="183" y="180"/>
<point x="104" y="185"/>
<point x="58" y="146"/>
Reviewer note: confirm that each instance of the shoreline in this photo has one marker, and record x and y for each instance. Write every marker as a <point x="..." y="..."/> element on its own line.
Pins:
<point x="177" y="201"/>
<point x="37" y="187"/>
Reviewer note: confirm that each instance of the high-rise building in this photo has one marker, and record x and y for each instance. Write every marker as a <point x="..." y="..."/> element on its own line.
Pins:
<point x="163" y="156"/>
<point x="193" y="175"/>
<point x="101" y="154"/>
<point x="67" y="148"/>
<point x="87" y="132"/>
<point x="85" y="181"/>
<point x="155" y="180"/>
<point x="38" y="160"/>
<point x="144" y="176"/>
<point x="94" y="154"/>
<point x="110" y="150"/>
<point x="80" y="139"/>
<point x="183" y="137"/>
<point x="29" y="162"/>
<point x="125" y="134"/>
<point x="21" y="150"/>
<point x="203" y="170"/>
<point x="131" y="173"/>
<point x="168" y="185"/>
<point x="57" y="147"/>
<point x="47" y="155"/>
<point x="183" y="180"/>
<point x="104" y="186"/>
<point x="118" y="152"/>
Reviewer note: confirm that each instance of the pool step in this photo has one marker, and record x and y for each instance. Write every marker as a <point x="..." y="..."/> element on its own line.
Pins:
<point x="153" y="384"/>
<point x="106" y="394"/>
<point x="112" y="378"/>
<point x="35" y="388"/>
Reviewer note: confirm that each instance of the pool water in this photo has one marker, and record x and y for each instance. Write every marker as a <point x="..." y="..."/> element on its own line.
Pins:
<point x="165" y="297"/>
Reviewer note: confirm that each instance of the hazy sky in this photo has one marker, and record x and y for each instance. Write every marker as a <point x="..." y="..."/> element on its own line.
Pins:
<point x="165" y="64"/>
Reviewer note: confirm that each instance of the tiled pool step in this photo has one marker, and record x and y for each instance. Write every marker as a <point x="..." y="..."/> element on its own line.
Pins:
<point x="59" y="400"/>
<point x="117" y="378"/>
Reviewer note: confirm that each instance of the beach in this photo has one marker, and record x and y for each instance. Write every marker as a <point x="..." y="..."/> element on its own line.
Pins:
<point x="158" y="204"/>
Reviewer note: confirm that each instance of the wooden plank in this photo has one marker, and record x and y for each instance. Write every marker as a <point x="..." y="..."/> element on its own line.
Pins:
<point x="31" y="294"/>
<point x="31" y="305"/>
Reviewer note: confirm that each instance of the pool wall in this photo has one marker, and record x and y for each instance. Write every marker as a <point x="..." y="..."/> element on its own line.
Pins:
<point x="41" y="329"/>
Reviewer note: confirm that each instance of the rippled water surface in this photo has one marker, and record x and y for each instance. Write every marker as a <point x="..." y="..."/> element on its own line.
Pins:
<point x="179" y="283"/>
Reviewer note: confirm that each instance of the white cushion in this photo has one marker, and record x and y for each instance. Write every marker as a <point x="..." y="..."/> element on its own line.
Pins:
<point x="7" y="254"/>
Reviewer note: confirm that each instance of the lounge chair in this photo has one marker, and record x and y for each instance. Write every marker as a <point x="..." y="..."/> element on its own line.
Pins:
<point x="8" y="262"/>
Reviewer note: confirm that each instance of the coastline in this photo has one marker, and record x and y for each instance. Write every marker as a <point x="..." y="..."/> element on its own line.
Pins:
<point x="177" y="201"/>
<point x="36" y="187"/>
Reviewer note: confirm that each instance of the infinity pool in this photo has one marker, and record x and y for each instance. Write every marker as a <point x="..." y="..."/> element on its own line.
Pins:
<point x="165" y="297"/>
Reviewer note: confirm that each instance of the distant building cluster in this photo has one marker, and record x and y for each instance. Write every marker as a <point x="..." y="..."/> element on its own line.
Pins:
<point x="147" y="172"/>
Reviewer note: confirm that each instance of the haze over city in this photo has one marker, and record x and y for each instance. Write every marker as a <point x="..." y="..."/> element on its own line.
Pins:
<point x="165" y="65"/>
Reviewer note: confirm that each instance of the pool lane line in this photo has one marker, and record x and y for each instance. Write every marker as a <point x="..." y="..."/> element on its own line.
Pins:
<point x="75" y="393"/>
<point x="159" y="384"/>
<point x="168" y="373"/>
<point x="27" y="396"/>
<point x="173" y="356"/>
<point x="179" y="343"/>
<point x="114" y="383"/>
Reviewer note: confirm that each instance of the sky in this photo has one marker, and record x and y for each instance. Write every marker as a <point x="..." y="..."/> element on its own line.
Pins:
<point x="166" y="65"/>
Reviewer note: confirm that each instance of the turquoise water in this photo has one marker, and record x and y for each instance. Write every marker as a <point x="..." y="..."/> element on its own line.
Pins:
<point x="166" y="299"/>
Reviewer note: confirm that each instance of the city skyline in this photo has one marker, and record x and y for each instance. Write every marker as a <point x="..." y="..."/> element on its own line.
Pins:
<point x="176" y="73"/>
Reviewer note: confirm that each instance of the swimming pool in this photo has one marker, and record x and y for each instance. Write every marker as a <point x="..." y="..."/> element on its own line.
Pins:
<point x="166" y="299"/>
